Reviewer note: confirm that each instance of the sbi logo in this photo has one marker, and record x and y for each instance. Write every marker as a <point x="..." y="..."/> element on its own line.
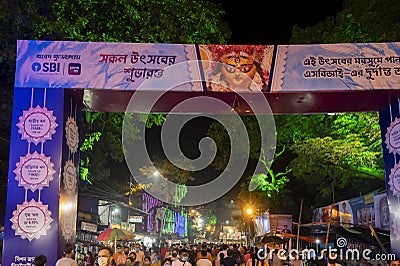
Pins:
<point x="46" y="67"/>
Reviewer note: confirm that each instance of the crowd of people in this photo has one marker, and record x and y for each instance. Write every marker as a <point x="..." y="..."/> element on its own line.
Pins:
<point x="204" y="254"/>
<point x="137" y="254"/>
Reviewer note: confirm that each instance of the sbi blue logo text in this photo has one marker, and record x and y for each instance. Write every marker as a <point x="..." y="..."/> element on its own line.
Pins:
<point x="47" y="67"/>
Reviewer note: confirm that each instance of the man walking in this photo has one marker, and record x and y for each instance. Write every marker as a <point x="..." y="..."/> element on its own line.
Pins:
<point x="67" y="260"/>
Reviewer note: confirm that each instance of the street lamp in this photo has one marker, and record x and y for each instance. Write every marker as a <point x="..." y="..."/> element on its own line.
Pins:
<point x="249" y="211"/>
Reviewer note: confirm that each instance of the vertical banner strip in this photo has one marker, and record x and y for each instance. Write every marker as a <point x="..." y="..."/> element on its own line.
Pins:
<point x="389" y="118"/>
<point x="31" y="219"/>
<point x="68" y="207"/>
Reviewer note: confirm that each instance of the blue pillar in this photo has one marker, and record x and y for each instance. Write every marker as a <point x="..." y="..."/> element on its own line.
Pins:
<point x="42" y="178"/>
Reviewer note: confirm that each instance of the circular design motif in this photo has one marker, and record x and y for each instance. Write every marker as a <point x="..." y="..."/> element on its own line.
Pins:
<point x="72" y="134"/>
<point x="31" y="219"/>
<point x="394" y="179"/>
<point x="37" y="125"/>
<point x="34" y="171"/>
<point x="392" y="136"/>
<point x="70" y="177"/>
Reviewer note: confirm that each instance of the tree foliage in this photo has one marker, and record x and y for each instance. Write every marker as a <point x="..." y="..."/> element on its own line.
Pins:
<point x="327" y="165"/>
<point x="327" y="155"/>
<point x="164" y="169"/>
<point x="359" y="21"/>
<point x="220" y="135"/>
<point x="141" y="21"/>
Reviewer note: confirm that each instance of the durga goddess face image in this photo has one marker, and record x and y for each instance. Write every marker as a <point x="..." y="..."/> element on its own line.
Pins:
<point x="237" y="67"/>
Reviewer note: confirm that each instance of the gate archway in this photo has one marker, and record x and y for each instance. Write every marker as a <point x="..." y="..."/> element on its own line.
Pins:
<point x="54" y="80"/>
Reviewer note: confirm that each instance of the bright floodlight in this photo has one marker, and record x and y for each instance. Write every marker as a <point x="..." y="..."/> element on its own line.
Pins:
<point x="249" y="211"/>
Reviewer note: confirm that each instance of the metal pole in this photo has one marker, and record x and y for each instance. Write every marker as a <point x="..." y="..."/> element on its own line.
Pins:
<point x="298" y="225"/>
<point x="327" y="234"/>
<point x="377" y="239"/>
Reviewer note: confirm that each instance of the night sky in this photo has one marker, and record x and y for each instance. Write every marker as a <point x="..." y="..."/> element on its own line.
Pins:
<point x="271" y="22"/>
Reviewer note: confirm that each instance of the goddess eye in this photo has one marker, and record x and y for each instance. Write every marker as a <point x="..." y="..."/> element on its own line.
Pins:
<point x="245" y="68"/>
<point x="230" y="69"/>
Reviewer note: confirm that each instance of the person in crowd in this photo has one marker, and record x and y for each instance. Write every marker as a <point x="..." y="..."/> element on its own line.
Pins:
<point x="275" y="260"/>
<point x="209" y="256"/>
<point x="247" y="254"/>
<point x="133" y="255"/>
<point x="228" y="260"/>
<point x="119" y="256"/>
<point x="214" y="252"/>
<point x="167" y="262"/>
<point x="296" y="261"/>
<point x="40" y="260"/>
<point x="174" y="254"/>
<point x="139" y="253"/>
<point x="252" y="260"/>
<point x="203" y="261"/>
<point x="164" y="250"/>
<point x="126" y="250"/>
<point x="79" y="255"/>
<point x="67" y="260"/>
<point x="105" y="257"/>
<point x="147" y="261"/>
<point x="155" y="257"/>
<point x="130" y="261"/>
<point x="80" y="262"/>
<point x="217" y="261"/>
<point x="193" y="254"/>
<point x="183" y="258"/>
<point x="89" y="260"/>
<point x="236" y="255"/>
<point x="224" y="249"/>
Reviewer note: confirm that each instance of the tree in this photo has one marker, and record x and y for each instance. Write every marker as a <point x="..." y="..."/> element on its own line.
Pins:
<point x="269" y="181"/>
<point x="359" y="21"/>
<point x="140" y="21"/>
<point x="170" y="21"/>
<point x="164" y="169"/>
<point x="328" y="165"/>
<point x="322" y="150"/>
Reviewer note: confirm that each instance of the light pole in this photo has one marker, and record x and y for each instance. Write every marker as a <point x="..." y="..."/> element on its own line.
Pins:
<point x="249" y="211"/>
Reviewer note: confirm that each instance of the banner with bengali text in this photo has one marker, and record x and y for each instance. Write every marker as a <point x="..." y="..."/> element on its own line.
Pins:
<point x="125" y="66"/>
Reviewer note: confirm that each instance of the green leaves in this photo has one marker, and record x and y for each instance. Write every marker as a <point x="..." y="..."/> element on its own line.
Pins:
<point x="90" y="140"/>
<point x="136" y="21"/>
<point x="359" y="21"/>
<point x="271" y="182"/>
<point x="326" y="163"/>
